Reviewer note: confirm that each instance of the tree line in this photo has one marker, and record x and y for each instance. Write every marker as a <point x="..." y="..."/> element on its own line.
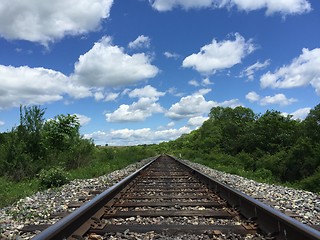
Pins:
<point x="37" y="144"/>
<point x="270" y="145"/>
<point x="267" y="146"/>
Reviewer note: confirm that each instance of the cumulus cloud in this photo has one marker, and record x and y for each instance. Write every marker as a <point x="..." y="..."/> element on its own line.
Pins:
<point x="284" y="7"/>
<point x="25" y="85"/>
<point x="140" y="110"/>
<point x="125" y="137"/>
<point x="253" y="96"/>
<point x="141" y="42"/>
<point x="206" y="82"/>
<point x="219" y="55"/>
<point x="83" y="120"/>
<point x="107" y="65"/>
<point x="147" y="91"/>
<point x="46" y="21"/>
<point x="250" y="71"/>
<point x="171" y="55"/>
<point x="196" y="121"/>
<point x="302" y="71"/>
<point x="98" y="96"/>
<point x="196" y="105"/>
<point x="280" y="99"/>
<point x="230" y="103"/>
<point x="111" y="97"/>
<point x="190" y="106"/>
<point x="2" y="123"/>
<point x="301" y="113"/>
<point x="136" y="112"/>
<point x="193" y="83"/>
<point x="173" y="91"/>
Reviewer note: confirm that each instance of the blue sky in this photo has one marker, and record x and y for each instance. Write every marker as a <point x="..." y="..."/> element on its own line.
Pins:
<point x="140" y="72"/>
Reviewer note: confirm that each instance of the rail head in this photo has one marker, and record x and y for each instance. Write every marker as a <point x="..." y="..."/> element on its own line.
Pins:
<point x="269" y="220"/>
<point x="66" y="226"/>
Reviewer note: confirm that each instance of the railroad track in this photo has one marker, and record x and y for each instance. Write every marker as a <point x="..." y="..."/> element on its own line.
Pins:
<point x="170" y="197"/>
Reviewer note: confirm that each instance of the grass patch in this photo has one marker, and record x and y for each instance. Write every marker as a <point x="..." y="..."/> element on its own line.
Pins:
<point x="104" y="160"/>
<point x="11" y="192"/>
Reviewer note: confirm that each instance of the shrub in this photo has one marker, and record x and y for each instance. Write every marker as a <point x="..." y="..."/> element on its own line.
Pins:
<point x="263" y="174"/>
<point x="54" y="177"/>
<point x="311" y="183"/>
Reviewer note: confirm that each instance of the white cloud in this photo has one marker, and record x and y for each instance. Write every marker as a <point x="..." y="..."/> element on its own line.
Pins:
<point x="173" y="91"/>
<point x="140" y="110"/>
<point x="46" y="21"/>
<point x="280" y="99"/>
<point x="166" y="5"/>
<point x="125" y="137"/>
<point x="107" y="65"/>
<point x="196" y="121"/>
<point x="193" y="83"/>
<point x="98" y="96"/>
<point x="2" y="123"/>
<point x="206" y="82"/>
<point x="302" y="71"/>
<point x="25" y="85"/>
<point x="250" y="71"/>
<point x="301" y="113"/>
<point x="196" y="105"/>
<point x="83" y="120"/>
<point x="147" y="91"/>
<point x="219" y="55"/>
<point x="284" y="7"/>
<point x="253" y="97"/>
<point x="203" y="91"/>
<point x="170" y="124"/>
<point x="136" y="112"/>
<point x="111" y="97"/>
<point x="230" y="103"/>
<point x="141" y="42"/>
<point x="171" y="55"/>
<point x="190" y="106"/>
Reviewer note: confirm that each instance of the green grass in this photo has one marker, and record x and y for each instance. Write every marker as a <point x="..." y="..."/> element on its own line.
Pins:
<point x="104" y="161"/>
<point x="12" y="191"/>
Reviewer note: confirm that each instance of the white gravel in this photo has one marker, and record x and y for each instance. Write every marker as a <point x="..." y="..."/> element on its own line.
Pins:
<point x="36" y="209"/>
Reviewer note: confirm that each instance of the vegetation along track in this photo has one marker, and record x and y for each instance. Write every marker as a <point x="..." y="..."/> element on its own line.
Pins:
<point x="166" y="196"/>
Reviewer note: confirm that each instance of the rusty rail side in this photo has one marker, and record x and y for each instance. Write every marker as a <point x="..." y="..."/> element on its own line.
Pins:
<point x="272" y="222"/>
<point x="66" y="226"/>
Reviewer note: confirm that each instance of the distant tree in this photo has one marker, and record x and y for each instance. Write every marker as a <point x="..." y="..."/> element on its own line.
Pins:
<point x="274" y="132"/>
<point x="234" y="125"/>
<point x="29" y="130"/>
<point x="62" y="131"/>
<point x="312" y="124"/>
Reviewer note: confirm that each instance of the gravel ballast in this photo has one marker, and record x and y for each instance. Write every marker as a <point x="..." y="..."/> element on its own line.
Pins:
<point x="39" y="208"/>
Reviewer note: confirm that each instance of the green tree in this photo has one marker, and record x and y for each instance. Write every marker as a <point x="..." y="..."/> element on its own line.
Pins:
<point x="66" y="145"/>
<point x="62" y="132"/>
<point x="234" y="126"/>
<point x="29" y="130"/>
<point x="274" y="132"/>
<point x="312" y="124"/>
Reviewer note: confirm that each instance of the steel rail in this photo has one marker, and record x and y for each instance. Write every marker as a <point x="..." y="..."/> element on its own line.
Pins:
<point x="272" y="222"/>
<point x="66" y="226"/>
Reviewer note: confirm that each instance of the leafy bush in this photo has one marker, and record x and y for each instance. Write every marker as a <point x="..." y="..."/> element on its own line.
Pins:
<point x="263" y="174"/>
<point x="54" y="177"/>
<point x="312" y="183"/>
